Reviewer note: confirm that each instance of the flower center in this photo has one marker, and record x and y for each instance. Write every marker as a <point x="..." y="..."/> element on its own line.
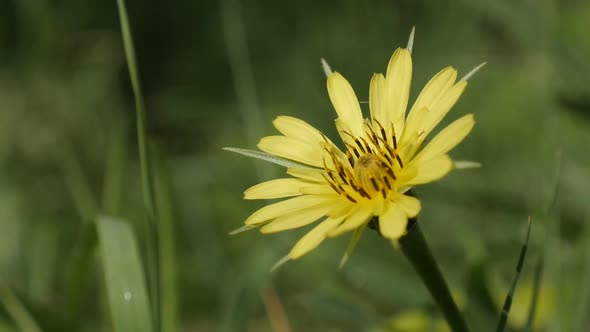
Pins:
<point x="368" y="170"/>
<point x="371" y="174"/>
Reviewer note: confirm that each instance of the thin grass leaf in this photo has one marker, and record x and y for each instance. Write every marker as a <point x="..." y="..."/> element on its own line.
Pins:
<point x="146" y="172"/>
<point x="78" y="185"/>
<point x="81" y="261"/>
<point x="508" y="301"/>
<point x="166" y="221"/>
<point x="17" y="311"/>
<point x="112" y="190"/>
<point x="123" y="273"/>
<point x="267" y="157"/>
<point x="236" y="42"/>
<point x="528" y="326"/>
<point x="581" y="319"/>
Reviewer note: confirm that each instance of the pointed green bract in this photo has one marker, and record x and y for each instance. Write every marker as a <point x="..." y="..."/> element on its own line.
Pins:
<point x="356" y="235"/>
<point x="266" y="157"/>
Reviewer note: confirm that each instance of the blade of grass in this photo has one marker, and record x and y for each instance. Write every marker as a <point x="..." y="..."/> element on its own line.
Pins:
<point x="535" y="296"/>
<point x="583" y="304"/>
<point x="236" y="44"/>
<point x="41" y="256"/>
<point x="78" y="184"/>
<point x="123" y="274"/>
<point x="540" y="266"/>
<point x="81" y="261"/>
<point x="146" y="172"/>
<point x="17" y="311"/>
<point x="167" y="254"/>
<point x="114" y="172"/>
<point x="508" y="302"/>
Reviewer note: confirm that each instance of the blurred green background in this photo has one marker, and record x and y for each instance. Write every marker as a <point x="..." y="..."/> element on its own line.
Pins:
<point x="216" y="74"/>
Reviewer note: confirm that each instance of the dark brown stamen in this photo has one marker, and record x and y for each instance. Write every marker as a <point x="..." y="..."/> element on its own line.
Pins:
<point x="386" y="181"/>
<point x="374" y="183"/>
<point x="350" y="198"/>
<point x="390" y="173"/>
<point x="363" y="193"/>
<point x="361" y="147"/>
<point x="393" y="137"/>
<point x="399" y="160"/>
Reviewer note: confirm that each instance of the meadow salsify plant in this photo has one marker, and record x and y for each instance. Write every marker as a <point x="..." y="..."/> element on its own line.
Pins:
<point x="371" y="178"/>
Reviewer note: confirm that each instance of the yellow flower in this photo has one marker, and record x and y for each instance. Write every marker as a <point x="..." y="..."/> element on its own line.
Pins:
<point x="382" y="158"/>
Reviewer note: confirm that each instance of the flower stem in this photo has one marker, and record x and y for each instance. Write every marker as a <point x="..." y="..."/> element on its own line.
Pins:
<point x="415" y="248"/>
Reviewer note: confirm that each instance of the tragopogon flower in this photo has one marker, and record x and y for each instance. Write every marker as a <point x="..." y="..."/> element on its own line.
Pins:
<point x="383" y="157"/>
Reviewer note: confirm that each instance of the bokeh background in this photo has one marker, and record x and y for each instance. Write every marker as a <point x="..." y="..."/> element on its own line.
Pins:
<point x="216" y="74"/>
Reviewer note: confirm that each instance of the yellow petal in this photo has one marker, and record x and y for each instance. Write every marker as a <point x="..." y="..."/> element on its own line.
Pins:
<point x="435" y="89"/>
<point x="317" y="189"/>
<point x="296" y="219"/>
<point x="398" y="80"/>
<point x="356" y="217"/>
<point x="315" y="175"/>
<point x="413" y="133"/>
<point x="392" y="224"/>
<point x="409" y="204"/>
<point x="313" y="238"/>
<point x="377" y="100"/>
<point x="297" y="128"/>
<point x="344" y="131"/>
<point x="293" y="149"/>
<point x="426" y="171"/>
<point x="447" y="139"/>
<point x="345" y="103"/>
<point x="277" y="188"/>
<point x="444" y="105"/>
<point x="286" y="207"/>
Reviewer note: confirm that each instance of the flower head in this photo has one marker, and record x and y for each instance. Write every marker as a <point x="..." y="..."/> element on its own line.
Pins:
<point x="381" y="158"/>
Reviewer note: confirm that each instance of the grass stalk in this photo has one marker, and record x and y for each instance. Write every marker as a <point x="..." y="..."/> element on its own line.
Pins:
<point x="166" y="250"/>
<point x="18" y="311"/>
<point x="146" y="171"/>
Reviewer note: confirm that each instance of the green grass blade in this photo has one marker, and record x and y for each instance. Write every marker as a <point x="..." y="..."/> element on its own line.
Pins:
<point x="167" y="252"/>
<point x="18" y="312"/>
<point x="124" y="279"/>
<point x="146" y="173"/>
<point x="114" y="172"/>
<point x="508" y="301"/>
<point x="535" y="296"/>
<point x="78" y="185"/>
<point x="81" y="262"/>
<point x="148" y="189"/>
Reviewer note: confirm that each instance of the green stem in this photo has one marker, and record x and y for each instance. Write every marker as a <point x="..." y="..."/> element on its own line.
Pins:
<point x="416" y="250"/>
